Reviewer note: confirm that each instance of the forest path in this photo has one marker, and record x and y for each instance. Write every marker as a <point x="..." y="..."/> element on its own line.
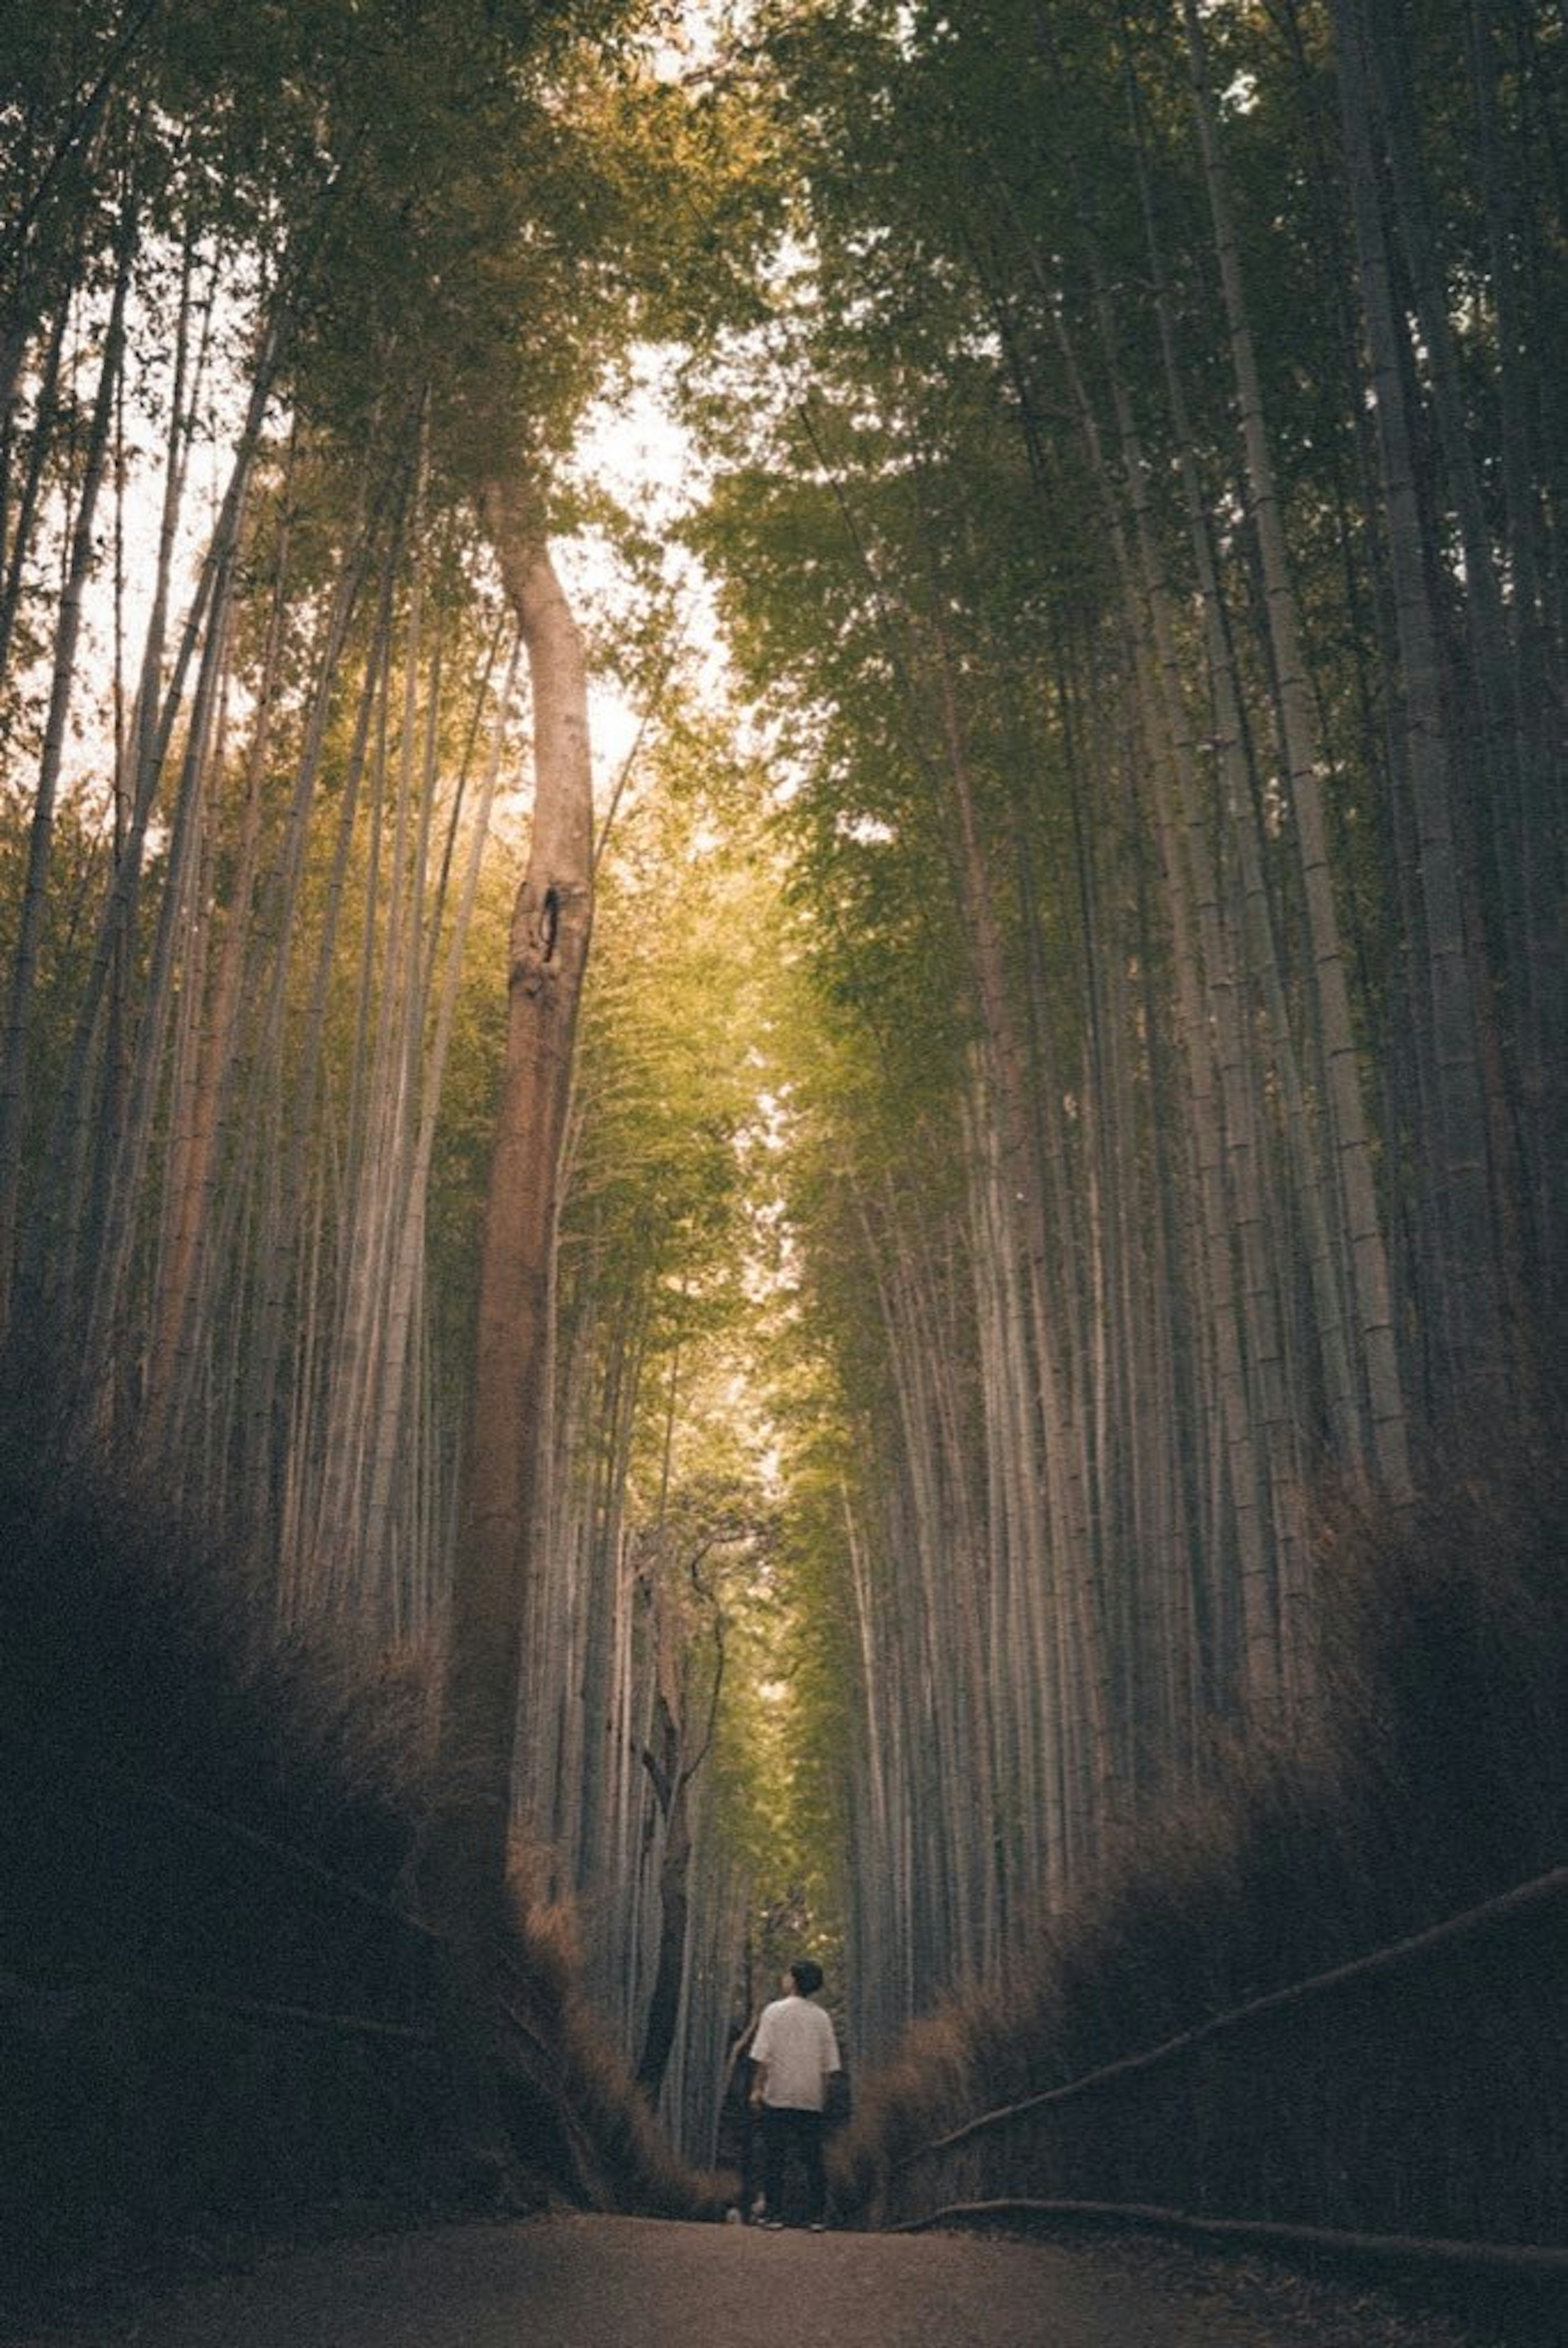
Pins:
<point x="572" y="2281"/>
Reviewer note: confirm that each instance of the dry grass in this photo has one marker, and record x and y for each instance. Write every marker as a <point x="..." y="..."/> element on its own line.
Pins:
<point x="1432" y="1776"/>
<point x="147" y="1709"/>
<point x="647" y="2174"/>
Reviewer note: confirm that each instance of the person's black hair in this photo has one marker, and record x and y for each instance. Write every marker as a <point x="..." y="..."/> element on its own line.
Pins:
<point x="807" y="1975"/>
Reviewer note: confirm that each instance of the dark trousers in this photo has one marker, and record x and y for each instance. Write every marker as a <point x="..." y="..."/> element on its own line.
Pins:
<point x="785" y="2130"/>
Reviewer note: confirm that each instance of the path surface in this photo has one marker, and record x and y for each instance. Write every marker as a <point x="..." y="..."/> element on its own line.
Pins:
<point x="623" y="2283"/>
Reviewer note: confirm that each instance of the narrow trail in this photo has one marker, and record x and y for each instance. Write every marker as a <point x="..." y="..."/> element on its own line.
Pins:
<point x="572" y="2281"/>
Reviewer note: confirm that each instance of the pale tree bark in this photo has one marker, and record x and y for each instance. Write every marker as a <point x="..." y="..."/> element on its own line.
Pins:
<point x="1315" y="1187"/>
<point x="1490" y="755"/>
<point x="606" y="1739"/>
<point x="1222" y="1109"/>
<point x="1161" y="730"/>
<point x="1533" y="842"/>
<point x="672" y="1753"/>
<point x="1466" y="1260"/>
<point x="1136" y="1368"/>
<point x="191" y="1182"/>
<point x="18" y="1035"/>
<point x="462" y="1866"/>
<point x="1238" y="1202"/>
<point x="16" y="529"/>
<point x="1298" y="730"/>
<point x="408" y="1243"/>
<point x="85" y="1131"/>
<point x="381" y="1120"/>
<point x="1044" y="1394"/>
<point x="1465" y="1267"/>
<point x="288" y="1180"/>
<point x="942" y="1572"/>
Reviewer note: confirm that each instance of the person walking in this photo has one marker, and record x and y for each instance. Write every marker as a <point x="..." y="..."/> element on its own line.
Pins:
<point x="796" y="2053"/>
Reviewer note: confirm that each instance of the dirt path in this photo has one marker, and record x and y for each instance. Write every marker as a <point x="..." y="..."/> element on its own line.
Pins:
<point x="624" y="2282"/>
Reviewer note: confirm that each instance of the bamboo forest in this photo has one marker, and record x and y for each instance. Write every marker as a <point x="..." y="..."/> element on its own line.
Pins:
<point x="782" y="1080"/>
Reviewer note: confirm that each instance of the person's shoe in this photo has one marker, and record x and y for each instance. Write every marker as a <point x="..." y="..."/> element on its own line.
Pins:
<point x="817" y="2226"/>
<point x="772" y="2224"/>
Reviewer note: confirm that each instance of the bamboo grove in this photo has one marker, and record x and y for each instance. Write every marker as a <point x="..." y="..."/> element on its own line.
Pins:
<point x="1074" y="1072"/>
<point x="285" y="290"/>
<point x="1147" y="551"/>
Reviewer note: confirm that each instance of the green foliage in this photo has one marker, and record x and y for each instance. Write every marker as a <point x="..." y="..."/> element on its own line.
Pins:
<point x="675" y="1017"/>
<point x="692" y="1050"/>
<point x="460" y="204"/>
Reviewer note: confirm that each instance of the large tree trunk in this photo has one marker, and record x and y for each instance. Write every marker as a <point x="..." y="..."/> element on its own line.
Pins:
<point x="504" y="1513"/>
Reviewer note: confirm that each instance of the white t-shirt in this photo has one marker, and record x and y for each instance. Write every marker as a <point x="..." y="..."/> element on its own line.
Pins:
<point x="795" y="2040"/>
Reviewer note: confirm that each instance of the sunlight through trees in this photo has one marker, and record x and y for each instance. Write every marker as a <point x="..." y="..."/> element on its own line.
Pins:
<point x="1069" y="1072"/>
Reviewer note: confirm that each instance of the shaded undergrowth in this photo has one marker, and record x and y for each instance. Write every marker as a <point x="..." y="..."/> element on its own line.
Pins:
<point x="218" y="2022"/>
<point x="1429" y="1777"/>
